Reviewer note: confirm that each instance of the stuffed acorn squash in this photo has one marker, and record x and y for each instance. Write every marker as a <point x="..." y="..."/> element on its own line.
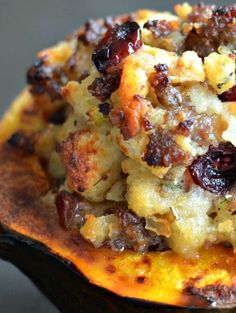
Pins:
<point x="118" y="162"/>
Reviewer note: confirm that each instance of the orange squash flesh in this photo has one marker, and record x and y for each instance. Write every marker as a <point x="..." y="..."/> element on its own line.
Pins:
<point x="157" y="277"/>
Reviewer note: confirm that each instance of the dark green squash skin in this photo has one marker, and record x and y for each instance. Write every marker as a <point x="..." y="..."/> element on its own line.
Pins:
<point x="66" y="287"/>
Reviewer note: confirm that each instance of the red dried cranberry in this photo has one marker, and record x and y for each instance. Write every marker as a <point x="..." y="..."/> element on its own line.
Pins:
<point x="67" y="205"/>
<point x="118" y="43"/>
<point x="229" y="95"/>
<point x="215" y="171"/>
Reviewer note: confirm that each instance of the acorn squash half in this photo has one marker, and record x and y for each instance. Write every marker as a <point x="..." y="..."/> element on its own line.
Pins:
<point x="76" y="276"/>
<point x="80" y="278"/>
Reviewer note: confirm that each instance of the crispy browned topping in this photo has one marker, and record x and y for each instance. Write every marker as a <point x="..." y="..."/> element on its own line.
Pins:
<point x="162" y="150"/>
<point x="103" y="86"/>
<point x="76" y="158"/>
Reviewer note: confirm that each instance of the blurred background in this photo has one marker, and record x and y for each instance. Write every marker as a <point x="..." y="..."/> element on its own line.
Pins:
<point x="27" y="26"/>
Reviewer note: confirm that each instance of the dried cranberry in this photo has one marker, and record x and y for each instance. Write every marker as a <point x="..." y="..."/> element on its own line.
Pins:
<point x="67" y="205"/>
<point x="215" y="171"/>
<point x="95" y="29"/>
<point x="117" y="43"/>
<point x="229" y="95"/>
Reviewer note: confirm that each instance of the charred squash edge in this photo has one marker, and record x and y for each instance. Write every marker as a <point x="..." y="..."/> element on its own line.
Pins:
<point x="66" y="287"/>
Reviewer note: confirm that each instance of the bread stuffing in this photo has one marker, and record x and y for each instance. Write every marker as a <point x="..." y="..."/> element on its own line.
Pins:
<point x="137" y="129"/>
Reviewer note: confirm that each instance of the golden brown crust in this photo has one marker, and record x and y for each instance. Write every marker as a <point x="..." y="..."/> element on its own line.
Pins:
<point x="77" y="153"/>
